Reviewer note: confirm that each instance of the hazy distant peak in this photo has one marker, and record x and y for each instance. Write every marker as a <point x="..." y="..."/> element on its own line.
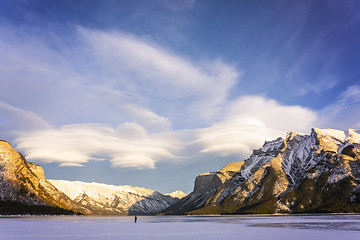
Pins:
<point x="177" y="194"/>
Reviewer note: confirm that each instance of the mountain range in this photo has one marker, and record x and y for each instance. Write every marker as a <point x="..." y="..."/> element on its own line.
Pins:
<point x="25" y="190"/>
<point x="300" y="173"/>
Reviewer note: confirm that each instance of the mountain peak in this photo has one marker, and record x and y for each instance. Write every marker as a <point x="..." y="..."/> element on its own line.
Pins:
<point x="177" y="194"/>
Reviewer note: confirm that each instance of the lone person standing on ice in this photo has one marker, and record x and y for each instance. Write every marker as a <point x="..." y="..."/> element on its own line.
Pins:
<point x="135" y="219"/>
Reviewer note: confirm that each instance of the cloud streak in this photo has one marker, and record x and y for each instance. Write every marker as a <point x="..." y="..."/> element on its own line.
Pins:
<point x="110" y="77"/>
<point x="151" y="71"/>
<point x="344" y="112"/>
<point x="17" y="118"/>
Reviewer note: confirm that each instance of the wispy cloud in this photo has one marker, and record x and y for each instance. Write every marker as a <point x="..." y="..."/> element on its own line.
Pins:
<point x="344" y="112"/>
<point x="149" y="70"/>
<point x="108" y="77"/>
<point x="17" y="118"/>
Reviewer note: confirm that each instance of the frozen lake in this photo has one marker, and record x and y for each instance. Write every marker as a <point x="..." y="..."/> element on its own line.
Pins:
<point x="182" y="227"/>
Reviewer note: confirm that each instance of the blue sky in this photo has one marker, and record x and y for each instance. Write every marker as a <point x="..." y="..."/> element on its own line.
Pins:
<point x="153" y="93"/>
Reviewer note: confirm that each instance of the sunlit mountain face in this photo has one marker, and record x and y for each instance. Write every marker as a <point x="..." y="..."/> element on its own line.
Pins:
<point x="298" y="174"/>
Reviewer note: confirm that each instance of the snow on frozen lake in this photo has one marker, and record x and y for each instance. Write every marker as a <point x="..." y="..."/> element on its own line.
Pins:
<point x="182" y="227"/>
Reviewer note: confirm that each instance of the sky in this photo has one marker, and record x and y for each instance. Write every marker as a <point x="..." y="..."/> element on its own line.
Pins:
<point x="154" y="93"/>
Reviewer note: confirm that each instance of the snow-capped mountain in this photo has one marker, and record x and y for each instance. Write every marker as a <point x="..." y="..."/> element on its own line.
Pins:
<point x="25" y="190"/>
<point x="103" y="199"/>
<point x="319" y="172"/>
<point x="177" y="194"/>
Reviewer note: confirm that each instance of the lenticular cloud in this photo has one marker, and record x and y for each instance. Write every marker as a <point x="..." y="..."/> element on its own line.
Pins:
<point x="128" y="145"/>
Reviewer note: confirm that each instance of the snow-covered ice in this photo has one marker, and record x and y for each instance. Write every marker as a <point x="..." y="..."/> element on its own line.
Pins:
<point x="182" y="227"/>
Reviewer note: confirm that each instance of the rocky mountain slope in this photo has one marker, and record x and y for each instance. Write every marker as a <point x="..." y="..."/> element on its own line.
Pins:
<point x="319" y="172"/>
<point x="25" y="190"/>
<point x="108" y="199"/>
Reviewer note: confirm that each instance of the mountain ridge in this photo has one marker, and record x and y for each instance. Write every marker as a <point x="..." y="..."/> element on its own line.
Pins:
<point x="319" y="172"/>
<point x="107" y="199"/>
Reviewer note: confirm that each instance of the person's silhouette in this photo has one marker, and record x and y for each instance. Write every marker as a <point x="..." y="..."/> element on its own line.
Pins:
<point x="135" y="219"/>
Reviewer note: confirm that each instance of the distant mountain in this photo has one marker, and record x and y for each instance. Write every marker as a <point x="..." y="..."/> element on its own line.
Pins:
<point x="106" y="199"/>
<point x="24" y="190"/>
<point x="177" y="194"/>
<point x="319" y="172"/>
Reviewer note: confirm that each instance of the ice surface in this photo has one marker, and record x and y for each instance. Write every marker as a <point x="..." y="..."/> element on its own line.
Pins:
<point x="175" y="227"/>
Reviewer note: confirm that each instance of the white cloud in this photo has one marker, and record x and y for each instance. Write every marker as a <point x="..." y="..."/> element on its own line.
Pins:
<point x="251" y="120"/>
<point x="235" y="137"/>
<point x="272" y="113"/>
<point x="246" y="123"/>
<point x="71" y="165"/>
<point x="129" y="145"/>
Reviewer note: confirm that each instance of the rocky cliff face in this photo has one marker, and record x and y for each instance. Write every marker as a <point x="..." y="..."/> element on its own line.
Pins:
<point x="206" y="186"/>
<point x="103" y="199"/>
<point x="319" y="172"/>
<point x="23" y="187"/>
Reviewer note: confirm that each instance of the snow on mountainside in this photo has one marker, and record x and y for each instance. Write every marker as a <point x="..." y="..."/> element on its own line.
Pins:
<point x="109" y="199"/>
<point x="319" y="172"/>
<point x="177" y="194"/>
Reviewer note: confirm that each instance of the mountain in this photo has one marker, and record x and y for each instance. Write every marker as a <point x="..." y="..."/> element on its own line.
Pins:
<point x="319" y="172"/>
<point x="25" y="190"/>
<point x="106" y="199"/>
<point x="177" y="194"/>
